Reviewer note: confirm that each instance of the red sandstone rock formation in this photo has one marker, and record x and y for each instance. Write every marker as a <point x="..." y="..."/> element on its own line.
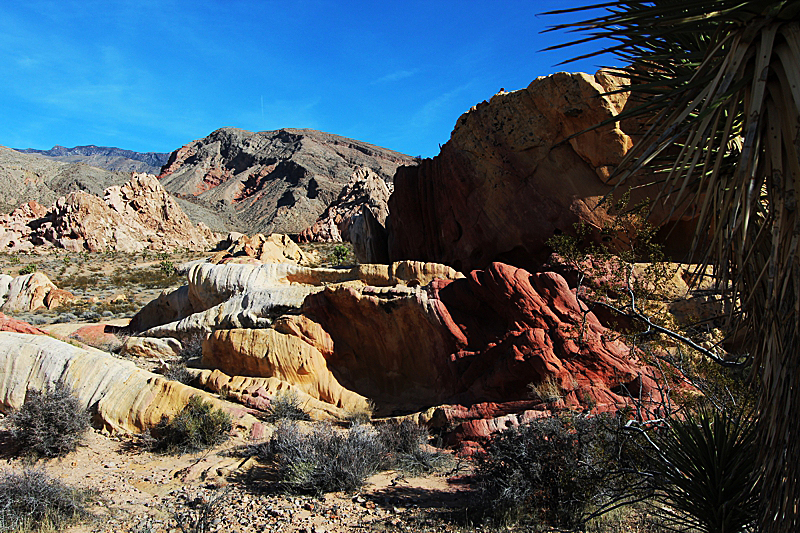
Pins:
<point x="477" y="341"/>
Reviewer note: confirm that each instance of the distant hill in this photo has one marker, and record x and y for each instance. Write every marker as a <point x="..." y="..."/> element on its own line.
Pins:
<point x="110" y="158"/>
<point x="25" y="177"/>
<point x="271" y="181"/>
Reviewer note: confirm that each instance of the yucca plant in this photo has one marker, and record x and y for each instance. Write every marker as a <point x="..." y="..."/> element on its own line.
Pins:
<point x="708" y="480"/>
<point x="718" y="89"/>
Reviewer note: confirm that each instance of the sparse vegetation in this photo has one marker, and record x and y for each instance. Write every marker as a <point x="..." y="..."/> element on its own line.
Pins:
<point x="51" y="422"/>
<point x="554" y="470"/>
<point x="406" y="448"/>
<point x="31" y="500"/>
<point x="27" y="269"/>
<point x="339" y="254"/>
<point x="548" y="391"/>
<point x="198" y="426"/>
<point x="322" y="458"/>
<point x="286" y="405"/>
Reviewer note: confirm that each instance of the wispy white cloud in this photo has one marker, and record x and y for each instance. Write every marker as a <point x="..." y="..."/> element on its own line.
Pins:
<point x="395" y="76"/>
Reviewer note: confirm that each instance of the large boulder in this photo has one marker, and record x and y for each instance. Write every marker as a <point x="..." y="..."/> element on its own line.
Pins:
<point x="513" y="175"/>
<point x="267" y="353"/>
<point x="33" y="291"/>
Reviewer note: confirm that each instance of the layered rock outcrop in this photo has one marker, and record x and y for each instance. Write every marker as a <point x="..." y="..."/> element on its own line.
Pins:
<point x="275" y="248"/>
<point x="272" y="181"/>
<point x="512" y="175"/>
<point x="484" y="338"/>
<point x="121" y="396"/>
<point x="408" y="337"/>
<point x="137" y="215"/>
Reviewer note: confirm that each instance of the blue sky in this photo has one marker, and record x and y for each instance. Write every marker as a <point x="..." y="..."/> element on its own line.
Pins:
<point x="153" y="75"/>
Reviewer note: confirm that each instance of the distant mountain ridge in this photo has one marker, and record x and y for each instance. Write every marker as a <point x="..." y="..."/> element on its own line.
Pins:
<point x="272" y="181"/>
<point x="108" y="157"/>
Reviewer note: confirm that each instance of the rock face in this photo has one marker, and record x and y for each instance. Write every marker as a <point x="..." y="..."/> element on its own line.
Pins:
<point x="251" y="296"/>
<point x="410" y="337"/>
<point x="33" y="291"/>
<point x="481" y="339"/>
<point x="107" y="157"/>
<point x="272" y="181"/>
<point x="365" y="189"/>
<point x="121" y="396"/>
<point x="132" y="217"/>
<point x="511" y="176"/>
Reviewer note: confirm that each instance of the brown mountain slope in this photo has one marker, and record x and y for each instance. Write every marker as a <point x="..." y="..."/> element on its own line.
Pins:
<point x="271" y="181"/>
<point x="26" y="177"/>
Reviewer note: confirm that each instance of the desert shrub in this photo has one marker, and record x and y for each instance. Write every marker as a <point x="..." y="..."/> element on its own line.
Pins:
<point x="51" y="422"/>
<point x="192" y="347"/>
<point x="339" y="254"/>
<point x="178" y="372"/>
<point x="32" y="500"/>
<point x="707" y="478"/>
<point x="14" y="260"/>
<point x="286" y="405"/>
<point x="199" y="517"/>
<point x="548" y="391"/>
<point x="27" y="269"/>
<point x="324" y="458"/>
<point x="555" y="469"/>
<point x="360" y="415"/>
<point x="198" y="426"/>
<point x="406" y="447"/>
<point x="167" y="267"/>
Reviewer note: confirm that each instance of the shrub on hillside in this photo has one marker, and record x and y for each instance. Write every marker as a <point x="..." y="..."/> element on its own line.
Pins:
<point x="51" y="422"/>
<point x="32" y="500"/>
<point x="198" y="426"/>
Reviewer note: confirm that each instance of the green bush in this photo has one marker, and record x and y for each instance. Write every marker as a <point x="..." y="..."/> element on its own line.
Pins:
<point x="340" y="254"/>
<point x="28" y="269"/>
<point x="198" y="426"/>
<point x="32" y="500"/>
<point x="167" y="267"/>
<point x="285" y="405"/>
<point x="51" y="422"/>
<point x="554" y="470"/>
<point x="707" y="480"/>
